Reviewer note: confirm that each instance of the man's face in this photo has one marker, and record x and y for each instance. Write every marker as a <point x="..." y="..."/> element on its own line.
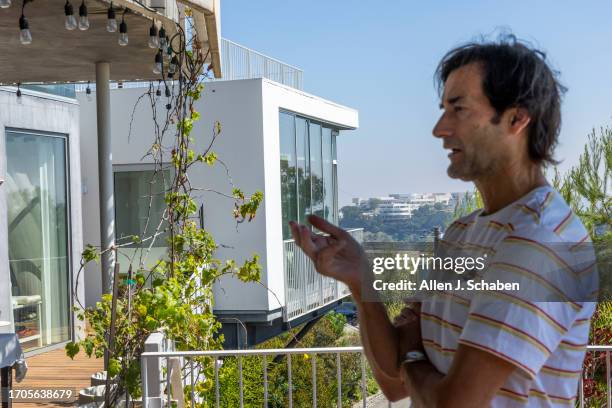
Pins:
<point x="465" y="127"/>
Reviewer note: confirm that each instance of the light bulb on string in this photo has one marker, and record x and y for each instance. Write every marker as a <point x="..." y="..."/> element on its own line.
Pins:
<point x="162" y="38"/>
<point x="5" y="3"/>
<point x="158" y="92"/>
<point x="88" y="91"/>
<point x="153" y="36"/>
<point x="111" y="21"/>
<point x="173" y="66"/>
<point x="158" y="65"/>
<point x="70" y="22"/>
<point x="123" y="35"/>
<point x="25" y="36"/>
<point x="83" y="19"/>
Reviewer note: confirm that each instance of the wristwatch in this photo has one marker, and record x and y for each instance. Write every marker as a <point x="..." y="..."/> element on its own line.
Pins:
<point x="414" y="356"/>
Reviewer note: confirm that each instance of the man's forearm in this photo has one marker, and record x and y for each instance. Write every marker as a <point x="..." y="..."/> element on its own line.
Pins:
<point x="379" y="336"/>
<point x="423" y="380"/>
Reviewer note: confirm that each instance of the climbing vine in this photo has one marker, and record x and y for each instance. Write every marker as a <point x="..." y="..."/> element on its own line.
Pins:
<point x="173" y="295"/>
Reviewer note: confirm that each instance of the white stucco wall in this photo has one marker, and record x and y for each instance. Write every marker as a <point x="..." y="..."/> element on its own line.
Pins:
<point x="44" y="113"/>
<point x="248" y="145"/>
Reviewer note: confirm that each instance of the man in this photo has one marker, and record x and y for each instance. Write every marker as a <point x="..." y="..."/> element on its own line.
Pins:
<point x="500" y="120"/>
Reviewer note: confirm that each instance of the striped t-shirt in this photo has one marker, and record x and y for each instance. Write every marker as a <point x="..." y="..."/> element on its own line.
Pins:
<point x="542" y="328"/>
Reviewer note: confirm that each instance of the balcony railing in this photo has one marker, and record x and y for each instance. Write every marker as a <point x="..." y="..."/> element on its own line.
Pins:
<point x="240" y="62"/>
<point x="184" y="360"/>
<point x="305" y="289"/>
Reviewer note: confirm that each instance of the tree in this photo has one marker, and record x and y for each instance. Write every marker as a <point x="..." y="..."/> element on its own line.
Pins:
<point x="587" y="188"/>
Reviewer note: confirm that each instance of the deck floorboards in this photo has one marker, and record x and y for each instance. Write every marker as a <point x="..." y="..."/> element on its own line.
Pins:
<point x="56" y="370"/>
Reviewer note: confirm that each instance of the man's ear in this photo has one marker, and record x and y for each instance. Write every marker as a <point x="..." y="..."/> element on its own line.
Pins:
<point x="519" y="119"/>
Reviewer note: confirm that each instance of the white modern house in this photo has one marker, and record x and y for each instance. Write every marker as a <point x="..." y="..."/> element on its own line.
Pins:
<point x="275" y="139"/>
<point x="41" y="234"/>
<point x="40" y="214"/>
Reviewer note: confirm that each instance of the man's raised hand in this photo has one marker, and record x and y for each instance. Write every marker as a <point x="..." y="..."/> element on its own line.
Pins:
<point x="337" y="255"/>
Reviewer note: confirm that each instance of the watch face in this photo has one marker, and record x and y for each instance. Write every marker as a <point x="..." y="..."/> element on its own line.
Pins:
<point x="415" y="355"/>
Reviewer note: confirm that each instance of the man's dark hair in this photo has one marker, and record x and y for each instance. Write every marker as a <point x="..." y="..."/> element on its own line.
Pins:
<point x="515" y="75"/>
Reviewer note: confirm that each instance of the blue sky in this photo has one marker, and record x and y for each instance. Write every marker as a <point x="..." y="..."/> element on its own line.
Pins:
<point x="380" y="61"/>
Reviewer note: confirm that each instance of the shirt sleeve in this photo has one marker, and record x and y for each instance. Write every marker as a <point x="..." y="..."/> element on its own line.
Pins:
<point x="524" y="326"/>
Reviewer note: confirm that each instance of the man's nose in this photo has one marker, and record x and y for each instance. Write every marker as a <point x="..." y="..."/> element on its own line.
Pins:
<point x="442" y="127"/>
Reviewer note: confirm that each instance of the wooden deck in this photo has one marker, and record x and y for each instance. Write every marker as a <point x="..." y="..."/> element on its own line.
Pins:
<point x="55" y="370"/>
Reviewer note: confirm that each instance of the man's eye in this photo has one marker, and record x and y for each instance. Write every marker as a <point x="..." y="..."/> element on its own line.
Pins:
<point x="458" y="108"/>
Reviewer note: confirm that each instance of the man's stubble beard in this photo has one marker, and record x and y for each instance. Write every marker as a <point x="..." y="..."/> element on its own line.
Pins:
<point x="478" y="163"/>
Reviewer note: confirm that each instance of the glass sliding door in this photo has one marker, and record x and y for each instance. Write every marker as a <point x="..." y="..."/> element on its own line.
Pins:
<point x="303" y="168"/>
<point x="335" y="176"/>
<point x="308" y="170"/>
<point x="38" y="231"/>
<point x="288" y="172"/>
<point x="328" y="176"/>
<point x="316" y="169"/>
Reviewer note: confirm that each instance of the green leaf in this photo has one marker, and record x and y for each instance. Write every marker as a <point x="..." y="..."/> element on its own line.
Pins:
<point x="72" y="349"/>
<point x="90" y="253"/>
<point x="114" y="367"/>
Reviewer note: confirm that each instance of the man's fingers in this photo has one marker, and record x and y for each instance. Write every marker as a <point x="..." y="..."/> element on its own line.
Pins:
<point x="295" y="231"/>
<point x="329" y="252"/>
<point x="325" y="226"/>
<point x="306" y="241"/>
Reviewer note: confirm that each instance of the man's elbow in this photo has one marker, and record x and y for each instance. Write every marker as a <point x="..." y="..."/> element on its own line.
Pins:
<point x="395" y="392"/>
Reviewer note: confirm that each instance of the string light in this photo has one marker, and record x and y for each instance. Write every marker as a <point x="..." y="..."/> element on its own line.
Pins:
<point x="153" y="36"/>
<point x="111" y="23"/>
<point x="83" y="19"/>
<point x="123" y="36"/>
<point x="158" y="66"/>
<point x="70" y="22"/>
<point x="18" y="90"/>
<point x="88" y="91"/>
<point x="158" y="92"/>
<point x="172" y="67"/>
<point x="162" y="38"/>
<point x="25" y="36"/>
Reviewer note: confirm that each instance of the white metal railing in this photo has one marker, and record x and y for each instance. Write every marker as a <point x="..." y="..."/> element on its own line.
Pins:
<point x="186" y="362"/>
<point x="240" y="62"/>
<point x="305" y="289"/>
<point x="157" y="359"/>
<point x="237" y="62"/>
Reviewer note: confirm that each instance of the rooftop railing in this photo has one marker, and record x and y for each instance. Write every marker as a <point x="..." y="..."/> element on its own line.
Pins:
<point x="238" y="62"/>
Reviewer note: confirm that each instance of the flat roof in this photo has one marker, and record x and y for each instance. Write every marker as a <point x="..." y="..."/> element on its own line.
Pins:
<point x="59" y="55"/>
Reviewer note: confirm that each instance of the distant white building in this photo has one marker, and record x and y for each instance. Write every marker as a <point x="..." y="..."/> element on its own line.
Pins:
<point x="394" y="211"/>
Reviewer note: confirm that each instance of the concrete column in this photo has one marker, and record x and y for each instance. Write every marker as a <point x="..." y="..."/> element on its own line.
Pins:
<point x="105" y="173"/>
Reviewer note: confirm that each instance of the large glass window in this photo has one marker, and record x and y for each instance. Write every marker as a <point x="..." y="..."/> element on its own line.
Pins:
<point x="316" y="169"/>
<point x="313" y="189"/>
<point x="38" y="231"/>
<point x="328" y="179"/>
<point x="288" y="171"/>
<point x="139" y="209"/>
<point x="303" y="168"/>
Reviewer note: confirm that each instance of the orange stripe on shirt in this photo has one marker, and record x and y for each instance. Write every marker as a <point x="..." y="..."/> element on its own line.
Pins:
<point x="515" y="331"/>
<point x="543" y="248"/>
<point x="564" y="223"/>
<point x="524" y="271"/>
<point x="500" y="355"/>
<point x="532" y="307"/>
<point x="441" y="322"/>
